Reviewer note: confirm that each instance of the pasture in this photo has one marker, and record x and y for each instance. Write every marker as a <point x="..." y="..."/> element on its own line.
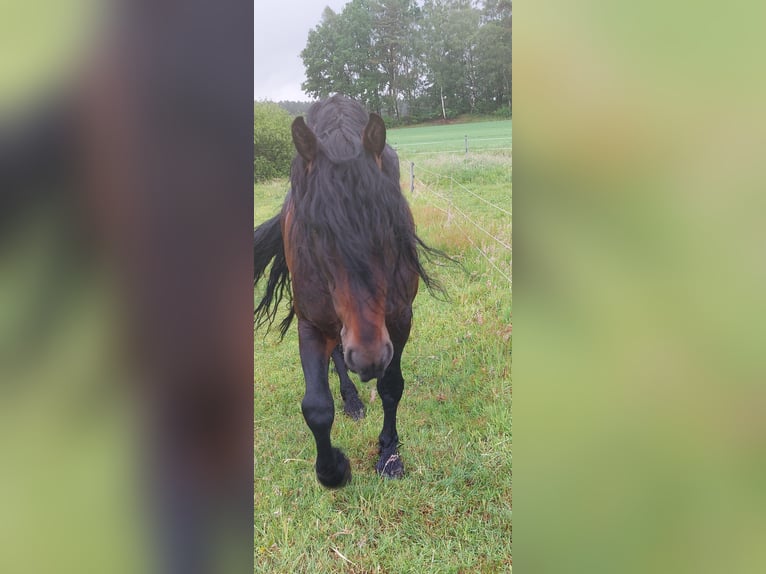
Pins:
<point x="452" y="510"/>
<point x="440" y="139"/>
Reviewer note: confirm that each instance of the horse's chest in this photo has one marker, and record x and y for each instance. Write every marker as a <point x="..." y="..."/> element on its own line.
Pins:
<point x="311" y="296"/>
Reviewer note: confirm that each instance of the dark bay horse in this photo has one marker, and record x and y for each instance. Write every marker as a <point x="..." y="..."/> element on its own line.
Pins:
<point x="345" y="251"/>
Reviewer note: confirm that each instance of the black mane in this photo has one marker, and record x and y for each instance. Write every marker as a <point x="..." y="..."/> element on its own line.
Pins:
<point x="349" y="212"/>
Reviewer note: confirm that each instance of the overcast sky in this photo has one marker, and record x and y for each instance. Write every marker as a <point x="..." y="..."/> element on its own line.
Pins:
<point x="281" y="28"/>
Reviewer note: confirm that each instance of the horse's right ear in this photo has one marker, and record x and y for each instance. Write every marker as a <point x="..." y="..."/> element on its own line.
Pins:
<point x="374" y="135"/>
<point x="304" y="139"/>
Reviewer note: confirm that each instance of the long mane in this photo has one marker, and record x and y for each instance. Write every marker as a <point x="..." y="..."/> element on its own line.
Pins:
<point x="349" y="212"/>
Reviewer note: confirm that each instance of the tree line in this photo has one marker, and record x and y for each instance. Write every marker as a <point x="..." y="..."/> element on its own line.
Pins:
<point x="414" y="60"/>
<point x="294" y="108"/>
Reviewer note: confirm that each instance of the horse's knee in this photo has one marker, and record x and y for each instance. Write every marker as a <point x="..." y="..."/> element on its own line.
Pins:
<point x="319" y="414"/>
<point x="391" y="393"/>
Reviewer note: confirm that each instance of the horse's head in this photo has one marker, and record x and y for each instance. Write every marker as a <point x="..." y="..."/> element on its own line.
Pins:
<point x="348" y="204"/>
<point x="367" y="347"/>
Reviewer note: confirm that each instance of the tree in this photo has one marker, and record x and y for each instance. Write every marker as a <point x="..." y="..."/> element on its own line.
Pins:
<point x="451" y="28"/>
<point x="338" y="59"/>
<point x="394" y="26"/>
<point x="495" y="54"/>
<point x="445" y="58"/>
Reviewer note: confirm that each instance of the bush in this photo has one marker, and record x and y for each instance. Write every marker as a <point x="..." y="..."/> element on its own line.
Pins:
<point x="272" y="142"/>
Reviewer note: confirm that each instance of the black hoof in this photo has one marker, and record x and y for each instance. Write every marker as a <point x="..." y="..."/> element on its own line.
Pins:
<point x="390" y="466"/>
<point x="338" y="474"/>
<point x="354" y="408"/>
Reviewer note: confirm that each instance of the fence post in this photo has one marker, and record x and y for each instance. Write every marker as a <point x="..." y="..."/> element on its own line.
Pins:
<point x="412" y="177"/>
<point x="466" y="145"/>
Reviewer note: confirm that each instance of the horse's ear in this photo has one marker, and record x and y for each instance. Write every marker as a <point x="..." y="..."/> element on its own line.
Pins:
<point x="304" y="139"/>
<point x="374" y="136"/>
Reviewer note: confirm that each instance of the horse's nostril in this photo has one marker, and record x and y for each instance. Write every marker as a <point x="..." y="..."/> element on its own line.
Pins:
<point x="350" y="360"/>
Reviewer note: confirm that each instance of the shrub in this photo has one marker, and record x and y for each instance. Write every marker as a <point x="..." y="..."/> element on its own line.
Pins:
<point x="272" y="141"/>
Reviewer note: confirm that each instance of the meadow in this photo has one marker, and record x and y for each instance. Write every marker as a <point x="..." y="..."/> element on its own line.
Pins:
<point x="441" y="139"/>
<point x="452" y="511"/>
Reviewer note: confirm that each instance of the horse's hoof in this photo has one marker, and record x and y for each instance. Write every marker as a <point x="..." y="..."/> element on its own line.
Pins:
<point x="354" y="408"/>
<point x="391" y="467"/>
<point x="338" y="476"/>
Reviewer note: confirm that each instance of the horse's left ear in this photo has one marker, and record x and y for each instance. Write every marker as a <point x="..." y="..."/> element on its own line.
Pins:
<point x="374" y="136"/>
<point x="304" y="139"/>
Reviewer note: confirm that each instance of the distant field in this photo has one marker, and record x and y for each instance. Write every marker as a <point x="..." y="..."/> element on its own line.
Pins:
<point x="452" y="512"/>
<point x="482" y="136"/>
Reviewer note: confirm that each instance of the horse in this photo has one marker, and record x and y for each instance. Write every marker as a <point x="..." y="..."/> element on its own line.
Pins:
<point x="344" y="250"/>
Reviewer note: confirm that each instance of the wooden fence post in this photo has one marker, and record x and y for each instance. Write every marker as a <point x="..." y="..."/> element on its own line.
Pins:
<point x="412" y="177"/>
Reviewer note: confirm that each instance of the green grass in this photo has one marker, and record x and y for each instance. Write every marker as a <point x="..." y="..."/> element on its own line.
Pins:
<point x="452" y="511"/>
<point x="482" y="136"/>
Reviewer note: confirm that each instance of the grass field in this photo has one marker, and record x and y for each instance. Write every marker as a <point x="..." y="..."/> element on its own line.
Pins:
<point x="452" y="511"/>
<point x="437" y="139"/>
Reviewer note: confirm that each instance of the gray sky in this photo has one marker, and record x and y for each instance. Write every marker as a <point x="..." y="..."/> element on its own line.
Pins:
<point x="281" y="28"/>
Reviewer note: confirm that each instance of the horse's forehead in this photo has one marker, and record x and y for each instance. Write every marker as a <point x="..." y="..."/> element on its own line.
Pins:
<point x="340" y="145"/>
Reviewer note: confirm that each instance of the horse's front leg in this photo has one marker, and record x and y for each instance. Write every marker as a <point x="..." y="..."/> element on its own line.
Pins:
<point x="352" y="404"/>
<point x="390" y="388"/>
<point x="332" y="467"/>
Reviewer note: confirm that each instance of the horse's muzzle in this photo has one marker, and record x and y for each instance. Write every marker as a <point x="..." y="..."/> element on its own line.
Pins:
<point x="369" y="363"/>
